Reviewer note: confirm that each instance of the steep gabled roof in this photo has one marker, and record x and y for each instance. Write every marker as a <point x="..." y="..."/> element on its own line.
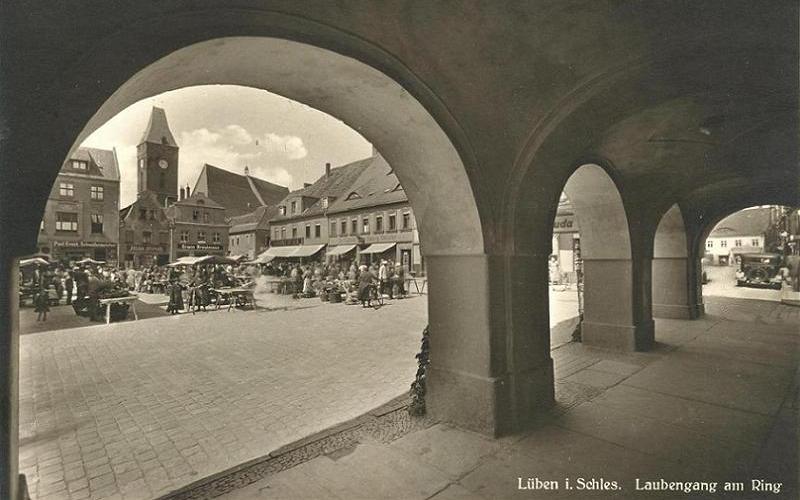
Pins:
<point x="102" y="163"/>
<point x="377" y="185"/>
<point x="336" y="185"/>
<point x="157" y="130"/>
<point x="751" y="222"/>
<point x="239" y="194"/>
<point x="257" y="219"/>
<point x="146" y="199"/>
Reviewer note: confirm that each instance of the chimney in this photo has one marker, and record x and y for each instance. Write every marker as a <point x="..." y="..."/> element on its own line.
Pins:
<point x="182" y="194"/>
<point x="187" y="191"/>
<point x="327" y="170"/>
<point x="246" y="170"/>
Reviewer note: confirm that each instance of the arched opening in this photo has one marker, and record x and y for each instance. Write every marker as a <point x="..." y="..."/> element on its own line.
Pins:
<point x="419" y="151"/>
<point x="609" y="318"/>
<point x="672" y="274"/>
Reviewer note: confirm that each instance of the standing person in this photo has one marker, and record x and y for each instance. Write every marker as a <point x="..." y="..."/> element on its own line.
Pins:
<point x="383" y="277"/>
<point x="59" y="285"/>
<point x="42" y="302"/>
<point x="400" y="279"/>
<point x="365" y="280"/>
<point x="68" y="284"/>
<point x="175" y="297"/>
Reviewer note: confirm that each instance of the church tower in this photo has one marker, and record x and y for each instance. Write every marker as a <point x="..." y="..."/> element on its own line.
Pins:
<point x="157" y="155"/>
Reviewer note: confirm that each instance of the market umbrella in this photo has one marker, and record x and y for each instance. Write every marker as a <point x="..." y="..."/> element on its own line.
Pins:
<point x="89" y="260"/>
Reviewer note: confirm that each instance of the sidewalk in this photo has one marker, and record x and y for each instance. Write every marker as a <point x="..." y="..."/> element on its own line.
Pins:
<point x="716" y="401"/>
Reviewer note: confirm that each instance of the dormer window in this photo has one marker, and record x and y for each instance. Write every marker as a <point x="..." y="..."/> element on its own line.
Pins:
<point x="294" y="207"/>
<point x="325" y="203"/>
<point x="282" y="209"/>
<point x="353" y="196"/>
<point x="80" y="164"/>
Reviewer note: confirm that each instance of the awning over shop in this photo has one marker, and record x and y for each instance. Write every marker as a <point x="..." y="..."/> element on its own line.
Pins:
<point x="281" y="251"/>
<point x="378" y="248"/>
<point x="307" y="250"/>
<point x="340" y="249"/>
<point x="188" y="261"/>
<point x="262" y="258"/>
<point x="36" y="261"/>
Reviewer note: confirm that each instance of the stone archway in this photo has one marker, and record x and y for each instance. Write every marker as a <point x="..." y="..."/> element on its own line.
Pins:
<point x="610" y="316"/>
<point x="673" y="287"/>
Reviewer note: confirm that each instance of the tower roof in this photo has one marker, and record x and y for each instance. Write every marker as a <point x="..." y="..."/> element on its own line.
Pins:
<point x="157" y="130"/>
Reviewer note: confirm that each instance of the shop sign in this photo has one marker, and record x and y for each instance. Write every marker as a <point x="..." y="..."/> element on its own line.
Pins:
<point x="565" y="224"/>
<point x="83" y="244"/>
<point x="199" y="246"/>
<point x="145" y="248"/>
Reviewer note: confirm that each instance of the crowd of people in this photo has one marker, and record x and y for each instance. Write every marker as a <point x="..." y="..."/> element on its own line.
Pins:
<point x="310" y="279"/>
<point x="50" y="284"/>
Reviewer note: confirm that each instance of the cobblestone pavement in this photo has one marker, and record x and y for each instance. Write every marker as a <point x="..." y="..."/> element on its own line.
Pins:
<point x="138" y="409"/>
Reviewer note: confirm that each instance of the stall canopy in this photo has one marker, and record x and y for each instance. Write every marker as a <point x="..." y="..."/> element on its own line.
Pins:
<point x="281" y="251"/>
<point x="89" y="260"/>
<point x="307" y="250"/>
<point x="378" y="248"/>
<point x="262" y="258"/>
<point x="36" y="261"/>
<point x="340" y="250"/>
<point x="188" y="261"/>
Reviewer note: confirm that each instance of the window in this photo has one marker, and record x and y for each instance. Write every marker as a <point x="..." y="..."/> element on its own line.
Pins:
<point x="308" y="231"/>
<point x="195" y="214"/>
<point x="129" y="235"/>
<point x="66" y="189"/>
<point x="66" y="222"/>
<point x="41" y="226"/>
<point x="97" y="223"/>
<point x="365" y="225"/>
<point x="141" y="163"/>
<point x="205" y="216"/>
<point x="354" y="227"/>
<point x="201" y="236"/>
<point x="147" y="237"/>
<point x="379" y="224"/>
<point x="723" y="243"/>
<point x="217" y="238"/>
<point x="294" y="206"/>
<point x="325" y="203"/>
<point x="96" y="192"/>
<point x="333" y="229"/>
<point x="277" y="233"/>
<point x="184" y="236"/>
<point x="392" y="222"/>
<point x="353" y="196"/>
<point x="294" y="232"/>
<point x="755" y="242"/>
<point x="282" y="209"/>
<point x="283" y="233"/>
<point x="737" y="243"/>
<point x="80" y="164"/>
<point x="343" y="227"/>
<point x="317" y="231"/>
<point x="163" y="237"/>
<point x="406" y="220"/>
<point x="709" y="244"/>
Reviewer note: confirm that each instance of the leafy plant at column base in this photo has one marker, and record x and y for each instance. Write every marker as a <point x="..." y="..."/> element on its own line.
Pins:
<point x="417" y="406"/>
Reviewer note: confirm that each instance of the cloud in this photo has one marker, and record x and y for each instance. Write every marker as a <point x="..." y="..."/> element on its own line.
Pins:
<point x="290" y="146"/>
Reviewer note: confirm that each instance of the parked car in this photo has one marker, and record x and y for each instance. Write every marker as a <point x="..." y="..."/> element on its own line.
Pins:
<point x="760" y="270"/>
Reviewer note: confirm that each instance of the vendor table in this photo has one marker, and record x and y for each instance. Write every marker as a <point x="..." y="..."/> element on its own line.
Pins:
<point x="232" y="293"/>
<point x="119" y="300"/>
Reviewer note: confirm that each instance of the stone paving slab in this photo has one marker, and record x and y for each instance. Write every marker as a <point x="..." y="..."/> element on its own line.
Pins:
<point x="679" y="415"/>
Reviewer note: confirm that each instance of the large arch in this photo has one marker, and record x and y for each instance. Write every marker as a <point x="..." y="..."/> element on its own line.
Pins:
<point x="610" y="310"/>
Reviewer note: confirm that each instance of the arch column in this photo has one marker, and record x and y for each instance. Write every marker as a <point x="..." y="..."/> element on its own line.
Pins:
<point x="490" y="340"/>
<point x="675" y="271"/>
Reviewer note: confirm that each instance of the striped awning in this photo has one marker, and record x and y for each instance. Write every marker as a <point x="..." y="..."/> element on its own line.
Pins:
<point x="307" y="250"/>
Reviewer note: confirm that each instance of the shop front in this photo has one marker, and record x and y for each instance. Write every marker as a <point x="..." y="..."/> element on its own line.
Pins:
<point x="198" y="250"/>
<point x="71" y="251"/>
<point x="138" y="256"/>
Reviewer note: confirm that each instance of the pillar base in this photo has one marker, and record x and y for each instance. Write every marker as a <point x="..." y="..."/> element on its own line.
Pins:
<point x="619" y="337"/>
<point x="493" y="406"/>
<point x="673" y="311"/>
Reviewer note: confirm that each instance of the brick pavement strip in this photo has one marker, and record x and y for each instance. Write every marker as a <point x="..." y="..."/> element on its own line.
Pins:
<point x="138" y="409"/>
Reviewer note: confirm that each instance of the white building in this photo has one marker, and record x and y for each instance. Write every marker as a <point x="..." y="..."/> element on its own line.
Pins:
<point x="742" y="232"/>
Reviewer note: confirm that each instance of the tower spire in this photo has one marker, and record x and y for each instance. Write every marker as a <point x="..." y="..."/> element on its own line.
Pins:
<point x="157" y="130"/>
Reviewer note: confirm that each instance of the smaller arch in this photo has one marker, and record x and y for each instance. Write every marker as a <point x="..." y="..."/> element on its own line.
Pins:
<point x="673" y="270"/>
<point x="613" y="309"/>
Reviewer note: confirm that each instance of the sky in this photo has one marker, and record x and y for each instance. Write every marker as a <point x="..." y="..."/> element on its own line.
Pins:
<point x="228" y="126"/>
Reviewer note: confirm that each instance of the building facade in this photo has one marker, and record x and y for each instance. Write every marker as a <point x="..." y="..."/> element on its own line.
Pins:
<point x="742" y="232"/>
<point x="144" y="233"/>
<point x="356" y="213"/>
<point x="198" y="227"/>
<point x="249" y="234"/>
<point x="80" y="218"/>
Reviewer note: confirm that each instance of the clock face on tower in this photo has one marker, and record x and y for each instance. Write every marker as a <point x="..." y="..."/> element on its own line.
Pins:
<point x="163" y="163"/>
